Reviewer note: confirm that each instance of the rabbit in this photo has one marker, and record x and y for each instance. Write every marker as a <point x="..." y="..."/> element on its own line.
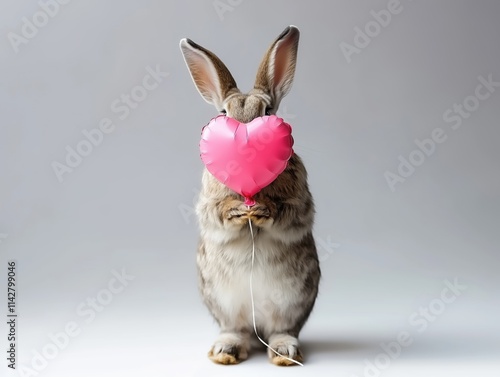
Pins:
<point x="286" y="272"/>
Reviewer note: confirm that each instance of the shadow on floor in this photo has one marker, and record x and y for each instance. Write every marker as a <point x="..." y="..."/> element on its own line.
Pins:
<point x="445" y="347"/>
<point x="341" y="348"/>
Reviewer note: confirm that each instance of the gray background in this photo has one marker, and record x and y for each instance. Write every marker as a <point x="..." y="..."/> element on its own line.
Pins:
<point x="128" y="204"/>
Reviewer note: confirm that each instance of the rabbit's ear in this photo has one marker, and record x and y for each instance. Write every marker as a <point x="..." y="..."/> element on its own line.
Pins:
<point x="211" y="77"/>
<point x="276" y="71"/>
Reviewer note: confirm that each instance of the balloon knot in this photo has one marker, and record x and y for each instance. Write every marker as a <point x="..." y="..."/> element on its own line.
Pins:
<point x="249" y="201"/>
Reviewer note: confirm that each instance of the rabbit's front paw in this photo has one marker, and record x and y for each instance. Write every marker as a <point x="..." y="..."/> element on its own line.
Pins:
<point x="260" y="215"/>
<point x="235" y="212"/>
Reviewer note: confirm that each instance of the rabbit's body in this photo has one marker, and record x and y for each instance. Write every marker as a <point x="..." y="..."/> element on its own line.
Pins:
<point x="285" y="255"/>
<point x="224" y="283"/>
<point x="286" y="270"/>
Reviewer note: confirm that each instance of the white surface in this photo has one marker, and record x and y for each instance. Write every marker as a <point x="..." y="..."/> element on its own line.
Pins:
<point x="128" y="204"/>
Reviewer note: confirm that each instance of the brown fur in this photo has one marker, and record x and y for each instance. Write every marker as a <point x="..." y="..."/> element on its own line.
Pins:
<point x="286" y="268"/>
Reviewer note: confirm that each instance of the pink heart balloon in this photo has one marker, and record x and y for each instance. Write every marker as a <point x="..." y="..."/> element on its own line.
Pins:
<point x="246" y="157"/>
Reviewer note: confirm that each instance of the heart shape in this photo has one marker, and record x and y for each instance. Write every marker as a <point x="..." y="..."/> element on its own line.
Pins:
<point x="246" y="157"/>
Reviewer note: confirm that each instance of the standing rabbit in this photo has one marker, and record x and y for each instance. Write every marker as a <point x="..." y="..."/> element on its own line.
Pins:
<point x="286" y="271"/>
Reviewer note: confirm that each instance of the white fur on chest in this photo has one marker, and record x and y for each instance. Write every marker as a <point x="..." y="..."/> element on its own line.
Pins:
<point x="273" y="290"/>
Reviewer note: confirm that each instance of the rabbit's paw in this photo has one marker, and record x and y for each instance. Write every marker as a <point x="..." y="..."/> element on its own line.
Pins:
<point x="260" y="215"/>
<point x="234" y="212"/>
<point x="228" y="349"/>
<point x="288" y="347"/>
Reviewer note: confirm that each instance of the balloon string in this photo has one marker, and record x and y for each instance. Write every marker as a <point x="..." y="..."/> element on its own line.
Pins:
<point x="253" y="303"/>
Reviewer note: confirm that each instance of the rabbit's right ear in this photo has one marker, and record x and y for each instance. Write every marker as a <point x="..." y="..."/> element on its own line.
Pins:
<point x="211" y="77"/>
<point x="276" y="71"/>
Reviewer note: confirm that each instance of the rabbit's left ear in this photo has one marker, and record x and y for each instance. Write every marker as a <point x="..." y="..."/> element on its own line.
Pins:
<point x="211" y="77"/>
<point x="276" y="71"/>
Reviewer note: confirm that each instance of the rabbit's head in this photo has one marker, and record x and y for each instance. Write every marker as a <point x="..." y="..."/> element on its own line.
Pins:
<point x="218" y="87"/>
